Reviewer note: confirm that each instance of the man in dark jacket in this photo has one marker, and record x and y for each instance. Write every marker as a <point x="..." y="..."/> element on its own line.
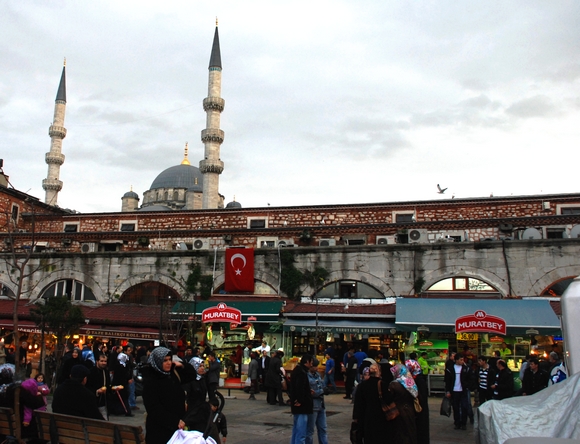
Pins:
<point x="535" y="379"/>
<point x="99" y="383"/>
<point x="301" y="399"/>
<point x="503" y="386"/>
<point x="73" y="398"/>
<point x="458" y="380"/>
<point x="213" y="374"/>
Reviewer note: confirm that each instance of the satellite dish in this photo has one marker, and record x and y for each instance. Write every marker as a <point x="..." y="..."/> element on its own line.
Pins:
<point x="414" y="235"/>
<point x="575" y="231"/>
<point x="531" y="233"/>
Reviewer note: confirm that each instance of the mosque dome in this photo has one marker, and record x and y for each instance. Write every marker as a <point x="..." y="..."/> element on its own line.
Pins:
<point x="234" y="204"/>
<point x="156" y="208"/>
<point x="179" y="176"/>
<point x="131" y="194"/>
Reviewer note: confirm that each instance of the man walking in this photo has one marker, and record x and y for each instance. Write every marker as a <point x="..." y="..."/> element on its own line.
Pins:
<point x="456" y="387"/>
<point x="329" y="373"/>
<point x="318" y="416"/>
<point x="99" y="383"/>
<point x="301" y="400"/>
<point x="213" y="374"/>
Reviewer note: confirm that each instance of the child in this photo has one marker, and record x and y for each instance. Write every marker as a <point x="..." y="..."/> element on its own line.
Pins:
<point x="220" y="423"/>
<point x="43" y="389"/>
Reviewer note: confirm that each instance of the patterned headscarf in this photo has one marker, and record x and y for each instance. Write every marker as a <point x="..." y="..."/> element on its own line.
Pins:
<point x="414" y="367"/>
<point x="196" y="362"/>
<point x="156" y="359"/>
<point x="401" y="374"/>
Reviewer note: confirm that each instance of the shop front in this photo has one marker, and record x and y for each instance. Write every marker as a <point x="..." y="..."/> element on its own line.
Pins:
<point x="515" y="327"/>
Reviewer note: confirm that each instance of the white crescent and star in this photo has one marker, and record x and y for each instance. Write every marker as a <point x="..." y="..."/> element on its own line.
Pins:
<point x="236" y="256"/>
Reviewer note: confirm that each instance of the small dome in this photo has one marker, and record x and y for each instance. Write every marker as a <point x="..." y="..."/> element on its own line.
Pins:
<point x="179" y="176"/>
<point x="234" y="204"/>
<point x="131" y="194"/>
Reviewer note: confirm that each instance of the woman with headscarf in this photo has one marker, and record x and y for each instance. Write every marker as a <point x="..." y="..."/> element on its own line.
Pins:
<point x="67" y="365"/>
<point x="404" y="392"/>
<point x="372" y="428"/>
<point x="120" y="382"/>
<point x="198" y="415"/>
<point x="163" y="398"/>
<point x="421" y="418"/>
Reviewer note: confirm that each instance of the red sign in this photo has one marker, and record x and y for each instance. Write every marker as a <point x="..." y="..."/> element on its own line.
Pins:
<point x="221" y="313"/>
<point x="239" y="270"/>
<point x="480" y="322"/>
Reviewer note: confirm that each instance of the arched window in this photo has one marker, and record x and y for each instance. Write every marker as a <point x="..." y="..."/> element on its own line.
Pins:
<point x="462" y="285"/>
<point x="71" y="288"/>
<point x="557" y="288"/>
<point x="149" y="293"/>
<point x="349" y="290"/>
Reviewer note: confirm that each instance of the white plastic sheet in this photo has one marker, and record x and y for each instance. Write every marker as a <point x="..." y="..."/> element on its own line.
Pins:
<point x="189" y="437"/>
<point x="553" y="412"/>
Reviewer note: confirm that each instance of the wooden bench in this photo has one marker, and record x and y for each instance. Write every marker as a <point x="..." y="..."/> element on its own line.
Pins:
<point x="232" y="385"/>
<point x="66" y="429"/>
<point x="8" y="425"/>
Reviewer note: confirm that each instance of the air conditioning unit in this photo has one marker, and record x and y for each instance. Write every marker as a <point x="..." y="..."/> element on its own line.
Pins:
<point x="418" y="236"/>
<point x="89" y="247"/>
<point x="326" y="242"/>
<point x="386" y="240"/>
<point x="286" y="243"/>
<point x="201" y="244"/>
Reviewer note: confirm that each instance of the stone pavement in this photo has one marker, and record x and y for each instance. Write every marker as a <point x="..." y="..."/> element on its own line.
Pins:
<point x="256" y="422"/>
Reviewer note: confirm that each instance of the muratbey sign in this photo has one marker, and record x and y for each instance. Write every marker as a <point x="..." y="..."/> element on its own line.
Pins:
<point x="480" y="322"/>
<point x="222" y="313"/>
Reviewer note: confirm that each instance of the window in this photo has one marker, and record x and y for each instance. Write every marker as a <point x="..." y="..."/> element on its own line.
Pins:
<point x="71" y="228"/>
<point x="71" y="288"/>
<point x="256" y="223"/>
<point x="127" y="227"/>
<point x="266" y="242"/>
<point x="404" y="218"/>
<point x="569" y="210"/>
<point x="555" y="233"/>
<point x="355" y="242"/>
<point x="463" y="284"/>
<point x="349" y="290"/>
<point x="14" y="213"/>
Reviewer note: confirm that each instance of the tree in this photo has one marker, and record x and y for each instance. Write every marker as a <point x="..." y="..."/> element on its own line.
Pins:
<point x="60" y="317"/>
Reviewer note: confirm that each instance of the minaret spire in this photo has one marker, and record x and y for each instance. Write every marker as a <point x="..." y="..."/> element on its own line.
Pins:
<point x="185" y="160"/>
<point x="212" y="137"/>
<point x="52" y="185"/>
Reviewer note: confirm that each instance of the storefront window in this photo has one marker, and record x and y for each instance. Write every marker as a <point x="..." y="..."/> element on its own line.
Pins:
<point x="461" y="284"/>
<point x="349" y="290"/>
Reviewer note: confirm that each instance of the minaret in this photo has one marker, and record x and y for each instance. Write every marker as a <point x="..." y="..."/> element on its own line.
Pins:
<point x="212" y="136"/>
<point x="52" y="185"/>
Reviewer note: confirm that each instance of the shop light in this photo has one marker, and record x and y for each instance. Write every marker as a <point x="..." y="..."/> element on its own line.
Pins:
<point x="532" y="331"/>
<point x="423" y="328"/>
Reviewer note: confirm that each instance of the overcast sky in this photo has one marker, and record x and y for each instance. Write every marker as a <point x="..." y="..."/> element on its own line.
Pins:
<point x="327" y="102"/>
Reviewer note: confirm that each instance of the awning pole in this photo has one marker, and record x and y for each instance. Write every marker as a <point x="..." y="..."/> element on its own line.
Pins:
<point x="214" y="264"/>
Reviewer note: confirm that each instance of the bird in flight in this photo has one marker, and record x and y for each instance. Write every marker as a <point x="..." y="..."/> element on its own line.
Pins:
<point x="441" y="190"/>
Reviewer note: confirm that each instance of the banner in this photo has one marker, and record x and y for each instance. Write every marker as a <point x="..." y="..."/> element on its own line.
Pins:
<point x="239" y="270"/>
<point x="480" y="322"/>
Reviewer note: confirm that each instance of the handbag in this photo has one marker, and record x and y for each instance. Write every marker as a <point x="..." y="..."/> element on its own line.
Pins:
<point x="391" y="410"/>
<point x="445" y="409"/>
<point x="417" y="405"/>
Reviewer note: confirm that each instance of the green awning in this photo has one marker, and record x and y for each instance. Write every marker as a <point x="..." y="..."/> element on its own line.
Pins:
<point x="257" y="311"/>
<point x="520" y="315"/>
<point x="348" y="326"/>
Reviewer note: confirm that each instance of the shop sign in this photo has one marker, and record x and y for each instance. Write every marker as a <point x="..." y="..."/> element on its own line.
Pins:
<point x="496" y="339"/>
<point x="120" y="334"/>
<point x="221" y="313"/>
<point x="330" y="329"/>
<point x="480" y="322"/>
<point x="425" y="344"/>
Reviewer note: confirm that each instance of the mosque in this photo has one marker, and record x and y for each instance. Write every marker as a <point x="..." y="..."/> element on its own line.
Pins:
<point x="180" y="187"/>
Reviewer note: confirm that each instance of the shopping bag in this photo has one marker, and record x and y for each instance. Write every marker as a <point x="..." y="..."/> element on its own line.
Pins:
<point x="190" y="437"/>
<point x="445" y="409"/>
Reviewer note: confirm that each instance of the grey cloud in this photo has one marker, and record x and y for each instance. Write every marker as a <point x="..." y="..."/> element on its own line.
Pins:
<point x="537" y="106"/>
<point x="480" y="102"/>
<point x="566" y="74"/>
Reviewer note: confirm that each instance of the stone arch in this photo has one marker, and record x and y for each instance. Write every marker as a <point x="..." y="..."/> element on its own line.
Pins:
<point x="542" y="282"/>
<point x="149" y="293"/>
<point x="434" y="276"/>
<point x="50" y="278"/>
<point x="136" y="279"/>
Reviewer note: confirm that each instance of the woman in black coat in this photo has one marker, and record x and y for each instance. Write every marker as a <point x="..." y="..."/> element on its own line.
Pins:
<point x="163" y="397"/>
<point x="368" y="413"/>
<point x="274" y="380"/>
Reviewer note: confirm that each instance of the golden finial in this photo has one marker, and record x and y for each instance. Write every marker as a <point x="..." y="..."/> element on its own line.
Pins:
<point x="131" y="187"/>
<point x="64" y="64"/>
<point x="185" y="160"/>
<point x="216" y="22"/>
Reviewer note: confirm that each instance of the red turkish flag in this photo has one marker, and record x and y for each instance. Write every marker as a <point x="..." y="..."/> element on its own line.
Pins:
<point x="239" y="270"/>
